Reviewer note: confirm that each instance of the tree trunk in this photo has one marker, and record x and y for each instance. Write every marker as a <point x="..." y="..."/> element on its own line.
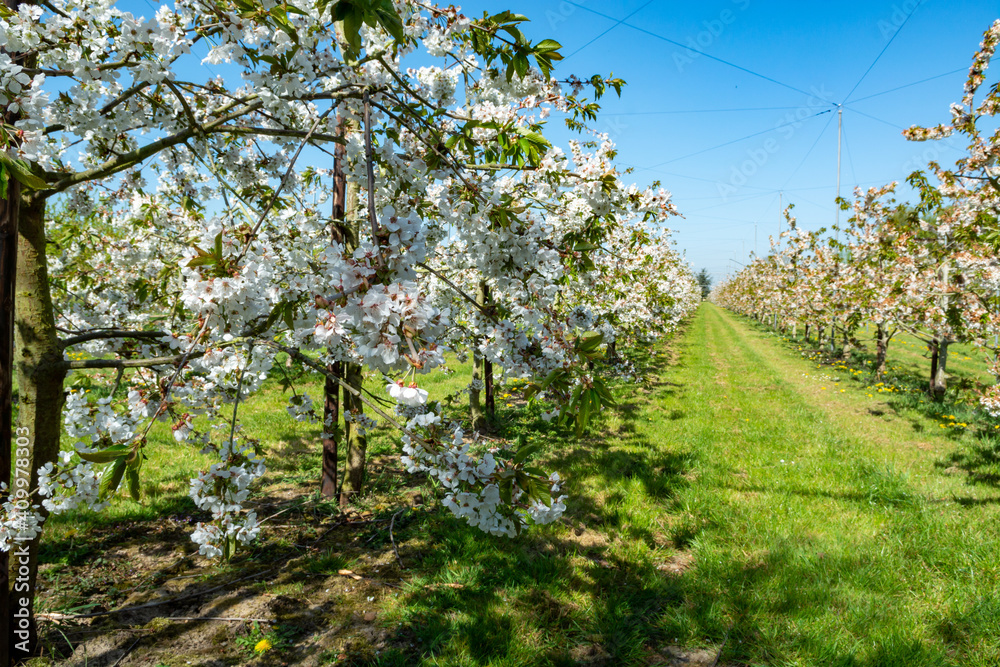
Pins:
<point x="331" y="431"/>
<point x="17" y="642"/>
<point x="939" y="370"/>
<point x="491" y="409"/>
<point x="40" y="378"/>
<point x="939" y="358"/>
<point x="881" y="350"/>
<point x="848" y="346"/>
<point x="357" y="444"/>
<point x="331" y="389"/>
<point x="479" y="373"/>
<point x="806" y="332"/>
<point x="476" y="415"/>
<point x="9" y="208"/>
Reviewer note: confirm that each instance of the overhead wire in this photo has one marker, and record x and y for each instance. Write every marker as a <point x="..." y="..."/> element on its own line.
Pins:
<point x="617" y="23"/>
<point x="808" y="153"/>
<point x="908" y="85"/>
<point x="701" y="53"/>
<point x="884" y="49"/>
<point x="734" y="141"/>
<point x="683" y="111"/>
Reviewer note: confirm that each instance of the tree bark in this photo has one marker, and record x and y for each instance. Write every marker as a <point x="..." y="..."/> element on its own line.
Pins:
<point x="40" y="378"/>
<point x="939" y="369"/>
<point x="357" y="444"/>
<point x="9" y="208"/>
<point x="848" y="346"/>
<point x="331" y="390"/>
<point x="479" y="368"/>
<point x="331" y="431"/>
<point x="881" y="350"/>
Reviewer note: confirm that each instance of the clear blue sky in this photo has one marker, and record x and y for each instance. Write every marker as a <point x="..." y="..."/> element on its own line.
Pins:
<point x="680" y="107"/>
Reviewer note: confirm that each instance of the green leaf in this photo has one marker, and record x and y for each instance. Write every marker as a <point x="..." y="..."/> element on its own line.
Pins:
<point x="218" y="246"/>
<point x="505" y="491"/>
<point x="112" y="478"/>
<point x="525" y="452"/>
<point x="547" y="45"/>
<point x="590" y="341"/>
<point x="106" y="455"/>
<point x="390" y="21"/>
<point x="532" y="136"/>
<point x="352" y="31"/>
<point x="202" y="260"/>
<point x="22" y="171"/>
<point x="132" y="477"/>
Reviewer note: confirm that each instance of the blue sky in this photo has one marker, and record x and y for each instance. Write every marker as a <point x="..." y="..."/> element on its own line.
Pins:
<point x="789" y="64"/>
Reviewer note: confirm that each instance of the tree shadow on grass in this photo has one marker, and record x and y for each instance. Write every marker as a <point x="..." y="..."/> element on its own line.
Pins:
<point x="979" y="460"/>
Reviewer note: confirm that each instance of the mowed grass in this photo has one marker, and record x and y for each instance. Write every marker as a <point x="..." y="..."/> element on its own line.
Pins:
<point x="830" y="535"/>
<point x="734" y="504"/>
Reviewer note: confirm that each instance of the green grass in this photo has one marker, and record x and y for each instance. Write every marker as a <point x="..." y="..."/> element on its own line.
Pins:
<point x="740" y="499"/>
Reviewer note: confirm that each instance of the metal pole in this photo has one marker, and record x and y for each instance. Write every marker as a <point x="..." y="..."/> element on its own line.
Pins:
<point x="781" y="214"/>
<point x="840" y="131"/>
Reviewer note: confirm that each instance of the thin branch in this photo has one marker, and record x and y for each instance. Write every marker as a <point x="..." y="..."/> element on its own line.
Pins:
<point x="372" y="217"/>
<point x="130" y="363"/>
<point x="109" y="334"/>
<point x="281" y="184"/>
<point x="239" y="394"/>
<point x="479" y="306"/>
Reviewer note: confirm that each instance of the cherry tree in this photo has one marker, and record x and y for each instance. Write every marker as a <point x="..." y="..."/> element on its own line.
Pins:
<point x="210" y="248"/>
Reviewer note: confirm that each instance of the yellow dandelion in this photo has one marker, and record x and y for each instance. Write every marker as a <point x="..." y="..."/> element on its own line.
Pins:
<point x="263" y="646"/>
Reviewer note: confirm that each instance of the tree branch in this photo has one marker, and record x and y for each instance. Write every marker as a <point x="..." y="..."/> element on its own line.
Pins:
<point x="108" y="334"/>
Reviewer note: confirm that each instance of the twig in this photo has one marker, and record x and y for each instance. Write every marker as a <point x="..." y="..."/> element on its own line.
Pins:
<point x="393" y="540"/>
<point x="281" y="184"/>
<point x="718" y="655"/>
<point x="125" y="654"/>
<point x="226" y="619"/>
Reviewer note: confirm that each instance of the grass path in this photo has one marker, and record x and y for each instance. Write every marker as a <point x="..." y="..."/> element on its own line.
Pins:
<point x="827" y="536"/>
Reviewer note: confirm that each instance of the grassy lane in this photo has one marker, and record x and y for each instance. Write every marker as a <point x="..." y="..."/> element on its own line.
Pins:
<point x="827" y="536"/>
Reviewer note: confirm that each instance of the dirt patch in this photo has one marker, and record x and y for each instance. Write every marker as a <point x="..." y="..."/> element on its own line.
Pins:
<point x="675" y="656"/>
<point x="678" y="564"/>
